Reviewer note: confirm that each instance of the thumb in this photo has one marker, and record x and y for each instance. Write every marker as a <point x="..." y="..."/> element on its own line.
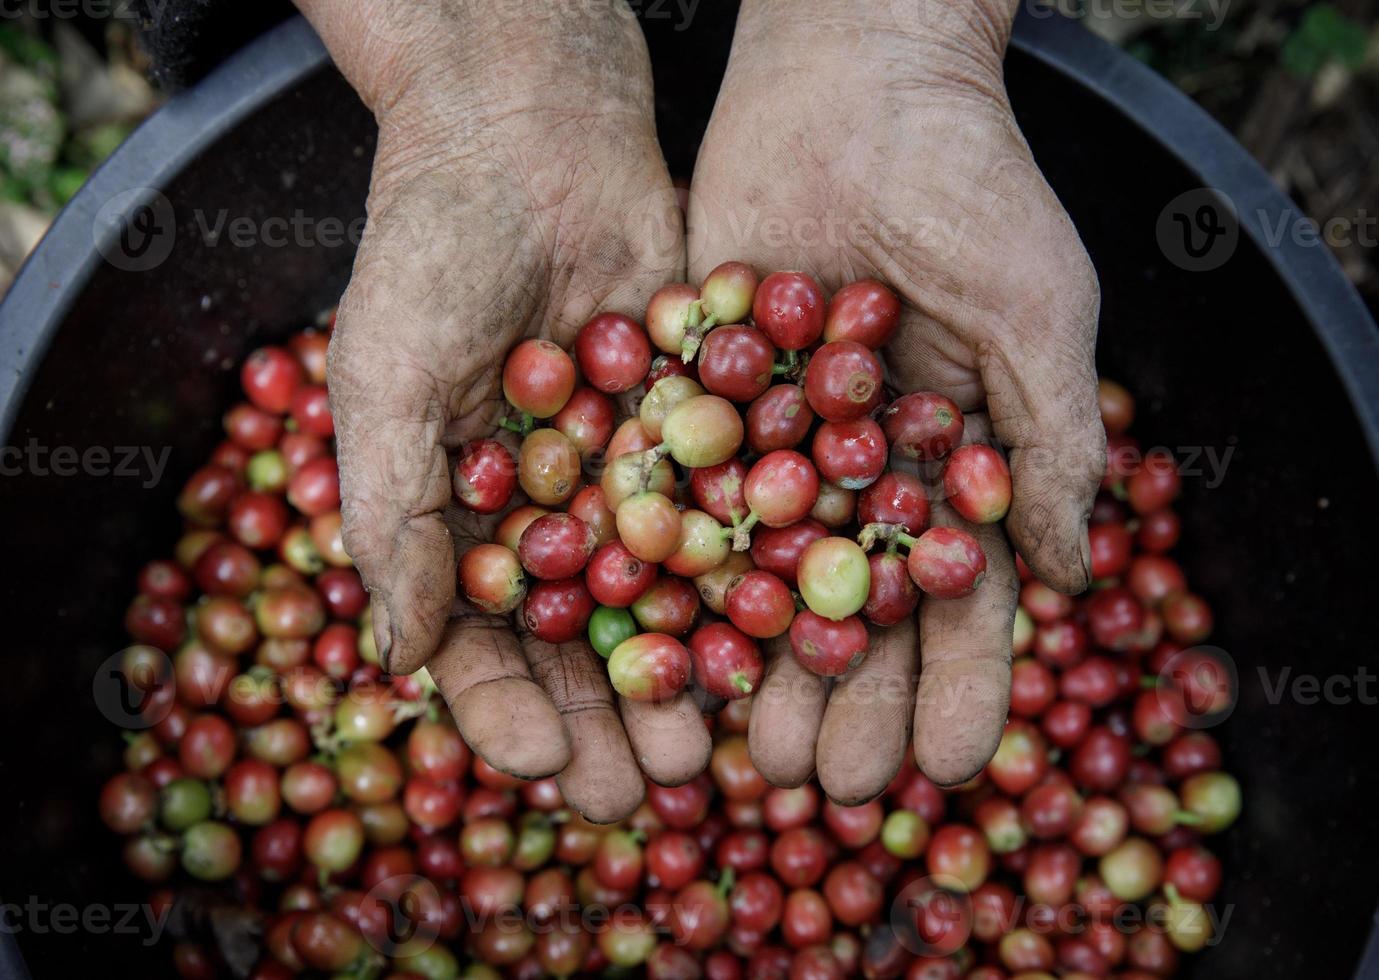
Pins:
<point x="401" y="368"/>
<point x="390" y="415"/>
<point x="1040" y="381"/>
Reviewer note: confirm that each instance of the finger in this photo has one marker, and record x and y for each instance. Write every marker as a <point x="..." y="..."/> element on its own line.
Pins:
<point x="866" y="726"/>
<point x="965" y="644"/>
<point x="602" y="781"/>
<point x="426" y="317"/>
<point x="390" y="418"/>
<point x="669" y="740"/>
<point x="787" y="710"/>
<point x="395" y="483"/>
<point x="1040" y="381"/>
<point x="651" y="250"/>
<point x="501" y="712"/>
<point x="1022" y="340"/>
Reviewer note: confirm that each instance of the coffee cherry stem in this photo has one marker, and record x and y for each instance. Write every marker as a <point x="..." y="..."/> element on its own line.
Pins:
<point x="742" y="534"/>
<point x="650" y="458"/>
<point x="407" y="710"/>
<point x="891" y="534"/>
<point x="726" y="880"/>
<point x="697" y="327"/>
<point x="522" y="426"/>
<point x="791" y="366"/>
<point x="740" y="681"/>
<point x="327" y="742"/>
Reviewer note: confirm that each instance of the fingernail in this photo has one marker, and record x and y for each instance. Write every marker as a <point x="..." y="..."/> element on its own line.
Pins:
<point x="382" y="633"/>
<point x="1086" y="554"/>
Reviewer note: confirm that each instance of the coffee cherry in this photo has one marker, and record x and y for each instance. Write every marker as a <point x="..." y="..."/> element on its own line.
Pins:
<point x="729" y="292"/>
<point x="491" y="577"/>
<point x="827" y="646"/>
<point x="947" y="563"/>
<point x="702" y="431"/>
<point x="834" y="577"/>
<point x="726" y="661"/>
<point x="843" y="381"/>
<point x="976" y="481"/>
<point x="548" y="467"/>
<point x="649" y="667"/>
<point x="789" y="308"/>
<point x="923" y="425"/>
<point x="538" y="378"/>
<point x="864" y="311"/>
<point x="613" y="353"/>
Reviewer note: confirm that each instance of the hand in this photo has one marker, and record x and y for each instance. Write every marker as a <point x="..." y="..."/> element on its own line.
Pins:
<point x="518" y="189"/>
<point x="876" y="140"/>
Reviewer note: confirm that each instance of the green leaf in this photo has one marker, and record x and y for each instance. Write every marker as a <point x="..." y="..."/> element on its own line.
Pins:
<point x="13" y="189"/>
<point x="90" y="147"/>
<point x="64" y="182"/>
<point x="25" y="48"/>
<point x="1324" y="35"/>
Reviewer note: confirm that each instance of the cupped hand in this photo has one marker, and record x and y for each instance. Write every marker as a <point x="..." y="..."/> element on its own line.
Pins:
<point x="849" y="142"/>
<point x="517" y="190"/>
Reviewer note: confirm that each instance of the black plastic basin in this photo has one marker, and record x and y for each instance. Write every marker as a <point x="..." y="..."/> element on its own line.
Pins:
<point x="1269" y="356"/>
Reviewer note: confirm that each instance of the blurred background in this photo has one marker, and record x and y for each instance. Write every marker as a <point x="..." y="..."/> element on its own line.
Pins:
<point x="1297" y="81"/>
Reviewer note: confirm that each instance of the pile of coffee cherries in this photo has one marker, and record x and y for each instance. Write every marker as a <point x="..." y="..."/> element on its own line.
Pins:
<point x="703" y="498"/>
<point x="295" y="810"/>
